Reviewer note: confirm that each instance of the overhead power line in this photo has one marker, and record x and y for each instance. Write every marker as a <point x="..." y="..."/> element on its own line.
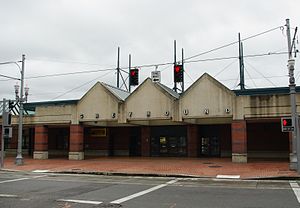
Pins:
<point x="80" y="86"/>
<point x="153" y="65"/>
<point x="232" y="43"/>
<point x="9" y="77"/>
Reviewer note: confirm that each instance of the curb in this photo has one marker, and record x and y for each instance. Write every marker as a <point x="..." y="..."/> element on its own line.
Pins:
<point x="283" y="178"/>
<point x="131" y="174"/>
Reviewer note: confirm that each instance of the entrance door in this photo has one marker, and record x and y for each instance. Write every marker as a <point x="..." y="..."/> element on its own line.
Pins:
<point x="135" y="146"/>
<point x="210" y="146"/>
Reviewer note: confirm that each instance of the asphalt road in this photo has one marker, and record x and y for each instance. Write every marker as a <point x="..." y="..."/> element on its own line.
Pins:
<point x="80" y="191"/>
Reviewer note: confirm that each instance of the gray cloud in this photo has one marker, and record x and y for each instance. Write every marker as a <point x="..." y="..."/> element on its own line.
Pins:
<point x="51" y="32"/>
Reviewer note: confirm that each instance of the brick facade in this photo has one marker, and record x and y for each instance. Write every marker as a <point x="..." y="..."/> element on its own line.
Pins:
<point x="41" y="138"/>
<point x="192" y="140"/>
<point x="76" y="138"/>
<point x="239" y="141"/>
<point x="145" y="141"/>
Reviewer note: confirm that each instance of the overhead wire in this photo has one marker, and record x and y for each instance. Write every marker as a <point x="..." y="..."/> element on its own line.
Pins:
<point x="260" y="73"/>
<point x="250" y="77"/>
<point x="226" y="67"/>
<point x="80" y="86"/>
<point x="153" y="65"/>
<point x="232" y="43"/>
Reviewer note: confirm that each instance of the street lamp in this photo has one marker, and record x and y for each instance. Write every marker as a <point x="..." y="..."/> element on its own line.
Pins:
<point x="21" y="99"/>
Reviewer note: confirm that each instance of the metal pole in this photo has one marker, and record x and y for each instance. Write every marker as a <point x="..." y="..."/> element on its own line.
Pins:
<point x="2" y="135"/>
<point x="129" y="73"/>
<point x="242" y="78"/>
<point x="294" y="157"/>
<point x="182" y="60"/>
<point x="118" y="69"/>
<point x="175" y="84"/>
<point x="19" y="158"/>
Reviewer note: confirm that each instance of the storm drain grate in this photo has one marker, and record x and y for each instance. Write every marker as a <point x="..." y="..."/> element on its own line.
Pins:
<point x="104" y="205"/>
<point x="214" y="166"/>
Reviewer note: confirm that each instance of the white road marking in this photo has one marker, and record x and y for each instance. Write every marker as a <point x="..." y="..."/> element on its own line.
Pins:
<point x="13" y="180"/>
<point x="295" y="186"/>
<point x="124" y="199"/>
<point x="22" y="179"/>
<point x="40" y="171"/>
<point x="80" y="201"/>
<point x="228" y="176"/>
<point x="7" y="196"/>
<point x="41" y="176"/>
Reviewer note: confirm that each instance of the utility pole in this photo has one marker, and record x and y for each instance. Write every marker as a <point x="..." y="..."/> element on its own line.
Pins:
<point x="175" y="84"/>
<point x="241" y="59"/>
<point x="2" y="134"/>
<point x="295" y="155"/>
<point x="118" y="68"/>
<point x="129" y="86"/>
<point x="19" y="158"/>
<point x="182" y="62"/>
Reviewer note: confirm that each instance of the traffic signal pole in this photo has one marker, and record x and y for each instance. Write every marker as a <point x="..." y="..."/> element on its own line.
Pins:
<point x="2" y="135"/>
<point x="175" y="83"/>
<point x="129" y="85"/>
<point x="295" y="154"/>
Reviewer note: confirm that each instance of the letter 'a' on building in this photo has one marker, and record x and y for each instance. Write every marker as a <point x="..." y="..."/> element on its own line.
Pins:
<point x="287" y="124"/>
<point x="134" y="77"/>
<point x="178" y="73"/>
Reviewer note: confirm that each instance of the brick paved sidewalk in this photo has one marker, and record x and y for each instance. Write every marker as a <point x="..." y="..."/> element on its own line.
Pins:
<point x="200" y="167"/>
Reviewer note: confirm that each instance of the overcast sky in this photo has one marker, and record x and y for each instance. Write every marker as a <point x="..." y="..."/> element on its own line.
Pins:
<point x="61" y="36"/>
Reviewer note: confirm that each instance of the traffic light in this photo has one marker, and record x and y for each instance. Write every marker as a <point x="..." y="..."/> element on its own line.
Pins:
<point x="287" y="124"/>
<point x="178" y="73"/>
<point x="134" y="77"/>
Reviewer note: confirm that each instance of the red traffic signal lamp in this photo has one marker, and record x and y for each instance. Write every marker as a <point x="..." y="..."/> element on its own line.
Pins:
<point x="178" y="73"/>
<point x="134" y="77"/>
<point x="287" y="124"/>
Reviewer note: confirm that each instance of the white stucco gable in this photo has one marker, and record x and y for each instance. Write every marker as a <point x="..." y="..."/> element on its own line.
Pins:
<point x="151" y="101"/>
<point x="99" y="103"/>
<point x="206" y="98"/>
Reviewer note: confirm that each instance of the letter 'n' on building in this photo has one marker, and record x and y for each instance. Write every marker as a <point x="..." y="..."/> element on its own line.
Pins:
<point x="207" y="108"/>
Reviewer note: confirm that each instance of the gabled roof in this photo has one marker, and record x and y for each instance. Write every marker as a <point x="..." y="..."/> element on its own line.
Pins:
<point x="213" y="80"/>
<point x="159" y="86"/>
<point x="119" y="93"/>
<point x="168" y="90"/>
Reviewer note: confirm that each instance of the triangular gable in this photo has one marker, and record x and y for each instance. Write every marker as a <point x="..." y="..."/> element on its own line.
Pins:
<point x="206" y="76"/>
<point x="99" y="103"/>
<point x="164" y="89"/>
<point x="152" y="97"/>
<point x="207" y="98"/>
<point x="107" y="88"/>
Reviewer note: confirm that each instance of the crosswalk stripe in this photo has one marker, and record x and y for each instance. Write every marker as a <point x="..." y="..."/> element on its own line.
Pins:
<point x="80" y="201"/>
<point x="295" y="186"/>
<point x="124" y="199"/>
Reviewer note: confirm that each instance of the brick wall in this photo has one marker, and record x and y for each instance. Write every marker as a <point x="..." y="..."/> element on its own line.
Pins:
<point x="76" y="138"/>
<point x="239" y="136"/>
<point x="145" y="141"/>
<point x="192" y="140"/>
<point x="41" y="138"/>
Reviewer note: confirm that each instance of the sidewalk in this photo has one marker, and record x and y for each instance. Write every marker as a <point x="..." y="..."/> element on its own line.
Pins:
<point x="198" y="167"/>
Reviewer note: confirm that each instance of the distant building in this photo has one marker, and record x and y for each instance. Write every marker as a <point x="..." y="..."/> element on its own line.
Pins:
<point x="207" y="120"/>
